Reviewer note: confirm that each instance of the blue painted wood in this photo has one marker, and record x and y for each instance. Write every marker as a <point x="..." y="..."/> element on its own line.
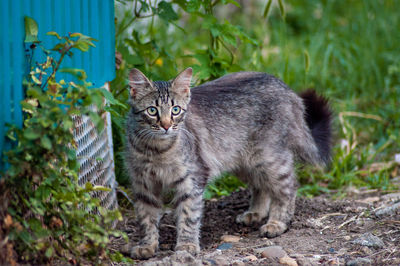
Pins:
<point x="90" y="17"/>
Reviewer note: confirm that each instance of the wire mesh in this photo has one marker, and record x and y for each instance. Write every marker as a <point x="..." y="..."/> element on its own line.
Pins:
<point x="95" y="157"/>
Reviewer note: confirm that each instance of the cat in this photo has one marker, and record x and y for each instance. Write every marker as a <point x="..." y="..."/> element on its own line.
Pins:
<point x="248" y="123"/>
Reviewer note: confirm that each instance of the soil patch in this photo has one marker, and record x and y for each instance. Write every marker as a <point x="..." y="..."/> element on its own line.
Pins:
<point x="323" y="231"/>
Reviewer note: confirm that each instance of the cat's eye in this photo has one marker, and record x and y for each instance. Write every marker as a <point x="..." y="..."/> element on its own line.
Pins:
<point x="176" y="110"/>
<point x="152" y="111"/>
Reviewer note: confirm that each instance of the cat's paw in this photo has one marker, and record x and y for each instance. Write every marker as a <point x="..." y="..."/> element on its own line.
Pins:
<point x="189" y="247"/>
<point x="273" y="229"/>
<point x="143" y="251"/>
<point x="249" y="218"/>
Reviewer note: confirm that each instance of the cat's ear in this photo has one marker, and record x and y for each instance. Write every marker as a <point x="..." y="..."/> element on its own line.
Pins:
<point x="181" y="84"/>
<point x="139" y="84"/>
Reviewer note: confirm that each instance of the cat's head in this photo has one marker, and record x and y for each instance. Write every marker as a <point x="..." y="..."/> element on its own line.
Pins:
<point x="159" y="107"/>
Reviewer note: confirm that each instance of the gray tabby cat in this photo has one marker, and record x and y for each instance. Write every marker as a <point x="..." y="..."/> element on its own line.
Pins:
<point x="248" y="123"/>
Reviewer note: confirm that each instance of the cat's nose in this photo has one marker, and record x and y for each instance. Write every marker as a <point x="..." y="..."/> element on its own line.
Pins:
<point x="165" y="125"/>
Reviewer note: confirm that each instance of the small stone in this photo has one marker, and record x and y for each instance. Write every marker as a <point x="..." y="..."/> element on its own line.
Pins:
<point x="221" y="261"/>
<point x="238" y="263"/>
<point x="391" y="196"/>
<point x="369" y="240"/>
<point x="342" y="251"/>
<point x="369" y="200"/>
<point x="364" y="222"/>
<point x="334" y="261"/>
<point x="303" y="261"/>
<point x="366" y="250"/>
<point x="288" y="261"/>
<point x="230" y="238"/>
<point x="250" y="258"/>
<point x="273" y="252"/>
<point x="224" y="246"/>
<point x="389" y="210"/>
<point x="209" y="262"/>
<point x="347" y="238"/>
<point x="359" y="261"/>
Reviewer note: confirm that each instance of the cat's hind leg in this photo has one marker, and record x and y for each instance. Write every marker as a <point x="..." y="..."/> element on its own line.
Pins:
<point x="280" y="179"/>
<point x="271" y="178"/>
<point x="259" y="207"/>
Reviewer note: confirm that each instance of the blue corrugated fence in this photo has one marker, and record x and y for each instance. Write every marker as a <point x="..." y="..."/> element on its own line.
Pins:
<point x="90" y="17"/>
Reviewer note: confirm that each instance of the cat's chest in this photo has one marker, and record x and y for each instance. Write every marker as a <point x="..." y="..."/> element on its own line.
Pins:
<point x="160" y="171"/>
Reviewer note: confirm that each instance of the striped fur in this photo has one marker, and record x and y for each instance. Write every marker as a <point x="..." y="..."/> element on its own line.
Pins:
<point x="248" y="123"/>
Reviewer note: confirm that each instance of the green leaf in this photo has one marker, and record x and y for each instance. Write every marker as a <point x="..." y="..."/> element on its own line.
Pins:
<point x="30" y="134"/>
<point x="26" y="237"/>
<point x="76" y="34"/>
<point x="81" y="45"/>
<point x="110" y="98"/>
<point x="306" y="60"/>
<point x="193" y="6"/>
<point x="43" y="192"/>
<point x="31" y="30"/>
<point x="49" y="252"/>
<point x="166" y="12"/>
<point x="46" y="142"/>
<point x="53" y="33"/>
<point x="88" y="186"/>
<point x="78" y="73"/>
<point x="282" y="8"/>
<point x="233" y="2"/>
<point x="267" y="8"/>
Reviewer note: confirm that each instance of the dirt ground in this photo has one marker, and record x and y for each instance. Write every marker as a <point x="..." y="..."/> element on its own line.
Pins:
<point x="361" y="230"/>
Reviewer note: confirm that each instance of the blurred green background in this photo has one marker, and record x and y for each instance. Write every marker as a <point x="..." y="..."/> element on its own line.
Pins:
<point x="346" y="50"/>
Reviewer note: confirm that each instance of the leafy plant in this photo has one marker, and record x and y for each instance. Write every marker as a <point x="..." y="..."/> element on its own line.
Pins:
<point x="50" y="215"/>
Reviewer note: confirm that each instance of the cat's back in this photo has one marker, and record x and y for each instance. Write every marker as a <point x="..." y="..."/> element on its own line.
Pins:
<point x="239" y="86"/>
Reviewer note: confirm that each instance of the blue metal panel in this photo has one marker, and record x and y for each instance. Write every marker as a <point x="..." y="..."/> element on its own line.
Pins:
<point x="90" y="17"/>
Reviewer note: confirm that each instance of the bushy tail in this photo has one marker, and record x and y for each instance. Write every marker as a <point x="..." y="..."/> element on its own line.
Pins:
<point x="318" y="119"/>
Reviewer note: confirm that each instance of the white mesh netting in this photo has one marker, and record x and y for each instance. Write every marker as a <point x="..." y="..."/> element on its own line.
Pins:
<point x="95" y="157"/>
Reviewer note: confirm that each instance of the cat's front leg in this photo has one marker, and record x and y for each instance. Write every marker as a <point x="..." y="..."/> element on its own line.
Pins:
<point x="189" y="207"/>
<point x="148" y="211"/>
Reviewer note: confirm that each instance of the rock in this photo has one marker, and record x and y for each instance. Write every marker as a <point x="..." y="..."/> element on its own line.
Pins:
<point x="238" y="263"/>
<point x="221" y="261"/>
<point x="250" y="258"/>
<point x="389" y="210"/>
<point x="303" y="261"/>
<point x="369" y="240"/>
<point x="273" y="252"/>
<point x="288" y="261"/>
<point x="365" y="222"/>
<point x="178" y="258"/>
<point x="230" y="238"/>
<point x="366" y="250"/>
<point x="342" y="251"/>
<point x="209" y="262"/>
<point x="359" y="261"/>
<point x="391" y="196"/>
<point x="225" y="246"/>
<point x="368" y="200"/>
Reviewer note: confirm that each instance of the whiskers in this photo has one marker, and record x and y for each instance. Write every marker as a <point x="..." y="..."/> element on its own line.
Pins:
<point x="143" y="137"/>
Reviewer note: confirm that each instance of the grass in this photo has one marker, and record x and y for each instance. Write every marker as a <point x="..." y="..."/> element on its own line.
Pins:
<point x="354" y="60"/>
<point x="347" y="50"/>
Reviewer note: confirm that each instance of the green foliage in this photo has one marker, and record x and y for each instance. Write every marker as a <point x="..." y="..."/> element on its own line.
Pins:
<point x="223" y="186"/>
<point x="348" y="51"/>
<point x="53" y="217"/>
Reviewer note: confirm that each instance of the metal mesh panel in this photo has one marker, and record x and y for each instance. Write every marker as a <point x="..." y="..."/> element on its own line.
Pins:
<point x="95" y="157"/>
